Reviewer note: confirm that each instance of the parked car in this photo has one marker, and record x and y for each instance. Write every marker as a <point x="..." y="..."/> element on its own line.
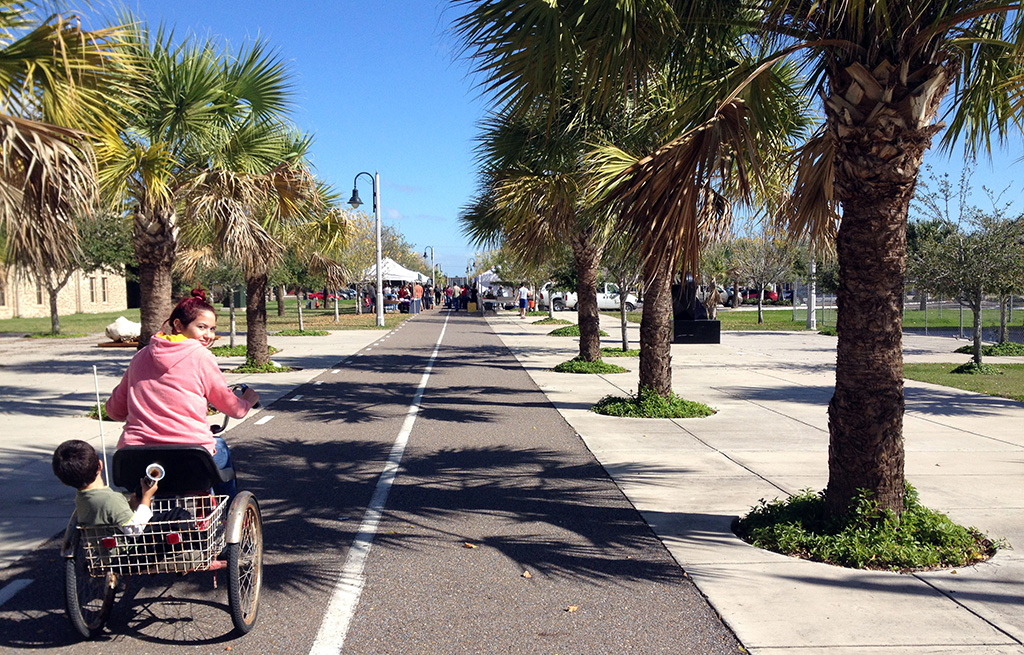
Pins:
<point x="607" y="298"/>
<point x="751" y="294"/>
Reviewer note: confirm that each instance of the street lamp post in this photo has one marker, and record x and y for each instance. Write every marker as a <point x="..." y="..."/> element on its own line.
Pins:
<point x="354" y="202"/>
<point x="433" y="283"/>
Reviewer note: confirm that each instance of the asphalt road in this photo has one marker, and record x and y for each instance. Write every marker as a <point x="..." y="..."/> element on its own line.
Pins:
<point x="501" y="533"/>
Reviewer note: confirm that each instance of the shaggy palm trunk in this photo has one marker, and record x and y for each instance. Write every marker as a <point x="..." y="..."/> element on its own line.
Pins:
<point x="881" y="129"/>
<point x="256" y="351"/>
<point x="155" y="239"/>
<point x="588" y="259"/>
<point x="656" y="330"/>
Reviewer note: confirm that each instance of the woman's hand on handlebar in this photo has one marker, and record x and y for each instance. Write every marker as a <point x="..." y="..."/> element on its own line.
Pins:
<point x="249" y="395"/>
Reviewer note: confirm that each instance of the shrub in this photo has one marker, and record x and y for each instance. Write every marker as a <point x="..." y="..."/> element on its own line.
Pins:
<point x="648" y="404"/>
<point x="619" y="352"/>
<point x="572" y="330"/>
<point x="868" y="537"/>
<point x="270" y="367"/>
<point x="237" y="351"/>
<point x="974" y="368"/>
<point x="829" y="331"/>
<point x="1005" y="349"/>
<point x="577" y="365"/>
<point x="552" y="321"/>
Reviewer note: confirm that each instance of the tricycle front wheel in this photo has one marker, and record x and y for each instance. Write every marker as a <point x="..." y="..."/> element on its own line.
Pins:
<point x="245" y="568"/>
<point x="88" y="600"/>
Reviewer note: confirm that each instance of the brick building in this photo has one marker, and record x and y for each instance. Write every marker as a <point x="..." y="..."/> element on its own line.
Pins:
<point x="88" y="293"/>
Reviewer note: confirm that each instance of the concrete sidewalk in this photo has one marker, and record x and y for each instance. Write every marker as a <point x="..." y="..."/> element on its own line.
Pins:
<point x="47" y="387"/>
<point x="691" y="478"/>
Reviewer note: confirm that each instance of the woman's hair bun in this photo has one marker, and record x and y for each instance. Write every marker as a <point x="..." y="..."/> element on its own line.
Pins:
<point x="199" y="293"/>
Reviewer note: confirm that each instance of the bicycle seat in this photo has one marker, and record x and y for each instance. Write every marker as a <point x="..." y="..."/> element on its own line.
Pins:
<point x="188" y="468"/>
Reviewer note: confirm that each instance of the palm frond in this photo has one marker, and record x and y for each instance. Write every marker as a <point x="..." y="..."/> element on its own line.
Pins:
<point x="47" y="176"/>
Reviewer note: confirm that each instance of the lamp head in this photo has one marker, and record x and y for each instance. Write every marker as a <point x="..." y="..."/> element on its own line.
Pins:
<point x="354" y="201"/>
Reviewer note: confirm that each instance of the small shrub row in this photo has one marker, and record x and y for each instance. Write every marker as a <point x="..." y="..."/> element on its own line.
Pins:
<point x="237" y="351"/>
<point x="269" y="367"/>
<point x="619" y="352"/>
<point x="648" y="404"/>
<point x="868" y="537"/>
<point x="974" y="368"/>
<point x="1005" y="349"/>
<point x="552" y="321"/>
<point x="577" y="365"/>
<point x="572" y="330"/>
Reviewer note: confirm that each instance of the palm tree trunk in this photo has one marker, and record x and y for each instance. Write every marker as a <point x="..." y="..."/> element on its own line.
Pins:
<point x="155" y="238"/>
<point x="588" y="259"/>
<point x="256" y="351"/>
<point x="878" y="151"/>
<point x="281" y="293"/>
<point x="656" y="330"/>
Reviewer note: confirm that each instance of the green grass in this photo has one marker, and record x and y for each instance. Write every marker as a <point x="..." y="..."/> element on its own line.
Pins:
<point x="1005" y="349"/>
<point x="72" y="323"/>
<point x="237" y="351"/>
<point x="577" y="365"/>
<point x="650" y="405"/>
<point x="1008" y="385"/>
<point x="571" y="330"/>
<point x="619" y="352"/>
<point x="92" y="412"/>
<point x="867" y="538"/>
<point x="302" y="333"/>
<point x="552" y="321"/>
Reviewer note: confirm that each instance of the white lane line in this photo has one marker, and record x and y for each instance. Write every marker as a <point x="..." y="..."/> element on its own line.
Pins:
<point x="12" y="589"/>
<point x="264" y="420"/>
<point x="318" y="383"/>
<point x="334" y="627"/>
<point x="296" y="397"/>
<point x="335" y="371"/>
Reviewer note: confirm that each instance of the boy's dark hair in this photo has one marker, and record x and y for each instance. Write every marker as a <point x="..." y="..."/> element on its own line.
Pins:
<point x="75" y="463"/>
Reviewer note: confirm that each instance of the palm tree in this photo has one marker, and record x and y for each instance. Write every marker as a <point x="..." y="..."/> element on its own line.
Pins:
<point x="883" y="69"/>
<point x="54" y="87"/>
<point x="257" y="202"/>
<point x="534" y="196"/>
<point x="186" y="98"/>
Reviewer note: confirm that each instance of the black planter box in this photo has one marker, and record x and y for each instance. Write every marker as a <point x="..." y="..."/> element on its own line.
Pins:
<point x="688" y="331"/>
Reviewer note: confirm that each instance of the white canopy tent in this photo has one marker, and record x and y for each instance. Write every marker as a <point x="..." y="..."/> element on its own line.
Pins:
<point x="392" y="271"/>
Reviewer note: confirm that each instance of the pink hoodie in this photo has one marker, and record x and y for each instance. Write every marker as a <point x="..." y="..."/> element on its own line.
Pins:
<point x="164" y="393"/>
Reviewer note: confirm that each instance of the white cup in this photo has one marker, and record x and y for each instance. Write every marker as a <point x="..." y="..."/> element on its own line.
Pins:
<point x="155" y="472"/>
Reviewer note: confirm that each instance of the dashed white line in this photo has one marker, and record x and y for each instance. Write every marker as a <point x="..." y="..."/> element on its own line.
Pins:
<point x="264" y="420"/>
<point x="296" y="397"/>
<point x="335" y="371"/>
<point x="334" y="627"/>
<point x="13" y="588"/>
<point x="318" y="383"/>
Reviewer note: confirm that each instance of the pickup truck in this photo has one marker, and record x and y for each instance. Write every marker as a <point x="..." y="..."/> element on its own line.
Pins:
<point x="607" y="298"/>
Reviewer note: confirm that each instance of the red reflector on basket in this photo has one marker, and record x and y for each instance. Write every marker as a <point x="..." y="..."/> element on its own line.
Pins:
<point x="108" y="542"/>
<point x="174" y="538"/>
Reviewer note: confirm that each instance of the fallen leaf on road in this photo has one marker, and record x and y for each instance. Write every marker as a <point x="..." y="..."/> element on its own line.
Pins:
<point x="527" y="574"/>
<point x="571" y="608"/>
<point x="466" y="544"/>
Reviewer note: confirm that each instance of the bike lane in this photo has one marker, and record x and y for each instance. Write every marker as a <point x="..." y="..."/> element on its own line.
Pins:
<point x="503" y="534"/>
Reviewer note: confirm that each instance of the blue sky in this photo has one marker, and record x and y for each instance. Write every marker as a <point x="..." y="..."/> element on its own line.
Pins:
<point x="379" y="85"/>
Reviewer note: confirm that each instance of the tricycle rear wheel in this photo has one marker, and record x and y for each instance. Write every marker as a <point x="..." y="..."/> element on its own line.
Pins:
<point x="88" y="600"/>
<point x="245" y="569"/>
